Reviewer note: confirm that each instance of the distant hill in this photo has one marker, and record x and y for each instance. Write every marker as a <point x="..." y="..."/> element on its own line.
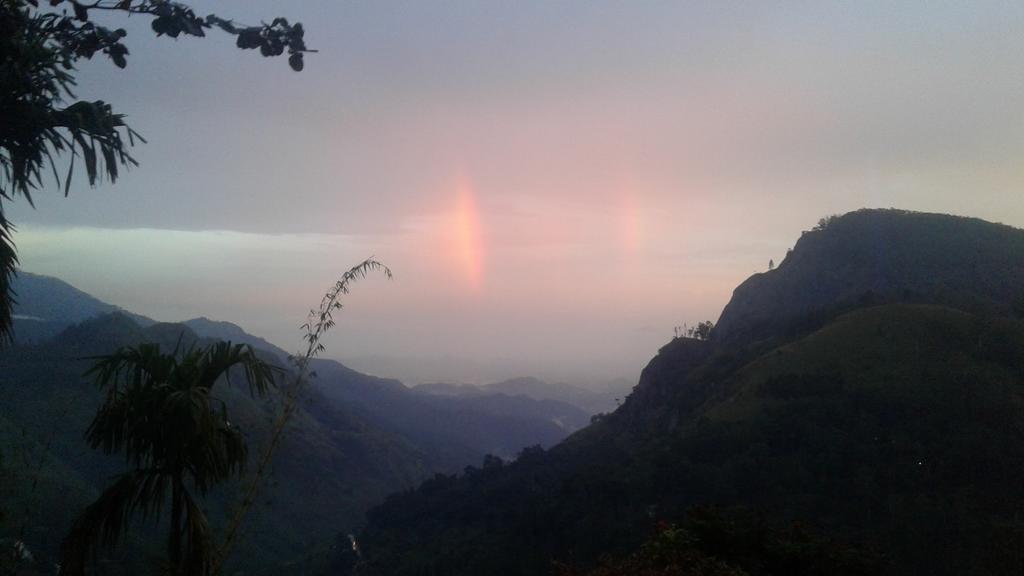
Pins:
<point x="589" y="401"/>
<point x="44" y="306"/>
<point x="220" y="330"/>
<point x="871" y="387"/>
<point x="52" y="299"/>
<point x="452" y="428"/>
<point x="356" y="438"/>
<point x="342" y="463"/>
<point x="592" y="402"/>
<point x="449" y="390"/>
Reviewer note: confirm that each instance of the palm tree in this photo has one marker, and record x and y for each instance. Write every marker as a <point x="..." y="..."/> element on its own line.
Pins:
<point x="160" y="412"/>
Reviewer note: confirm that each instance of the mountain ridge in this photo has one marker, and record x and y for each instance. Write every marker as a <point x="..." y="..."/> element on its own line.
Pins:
<point x="344" y="446"/>
<point x="862" y="399"/>
<point x="883" y="256"/>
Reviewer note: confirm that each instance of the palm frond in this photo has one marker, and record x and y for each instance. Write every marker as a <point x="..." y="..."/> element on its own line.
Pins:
<point x="220" y="358"/>
<point x="105" y="521"/>
<point x="8" y="270"/>
<point x="197" y="557"/>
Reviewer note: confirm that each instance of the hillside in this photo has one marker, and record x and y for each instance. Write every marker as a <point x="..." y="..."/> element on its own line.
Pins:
<point x="586" y="400"/>
<point x="894" y="421"/>
<point x="356" y="439"/>
<point x="592" y="402"/>
<point x="454" y="430"/>
<point x="342" y="464"/>
<point x="876" y="256"/>
<point x="45" y="306"/>
<point x="220" y="330"/>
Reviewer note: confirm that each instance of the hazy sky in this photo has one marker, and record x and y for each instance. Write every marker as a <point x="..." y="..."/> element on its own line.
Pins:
<point x="555" y="184"/>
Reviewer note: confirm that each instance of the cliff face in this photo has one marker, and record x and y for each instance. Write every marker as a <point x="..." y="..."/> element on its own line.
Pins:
<point x="880" y="256"/>
<point x="664" y="378"/>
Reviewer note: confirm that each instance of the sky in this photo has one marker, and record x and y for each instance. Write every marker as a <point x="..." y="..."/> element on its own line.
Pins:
<point x="555" y="185"/>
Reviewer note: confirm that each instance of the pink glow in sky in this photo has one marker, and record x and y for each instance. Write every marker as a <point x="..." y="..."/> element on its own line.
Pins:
<point x="468" y="236"/>
<point x="555" y="184"/>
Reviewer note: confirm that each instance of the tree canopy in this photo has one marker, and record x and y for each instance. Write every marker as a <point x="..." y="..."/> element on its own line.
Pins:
<point x="161" y="412"/>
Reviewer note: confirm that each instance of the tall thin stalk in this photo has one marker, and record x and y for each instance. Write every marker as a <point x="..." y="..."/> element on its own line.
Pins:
<point x="318" y="323"/>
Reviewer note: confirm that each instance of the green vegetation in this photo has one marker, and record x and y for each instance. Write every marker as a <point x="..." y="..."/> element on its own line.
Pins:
<point x="896" y="426"/>
<point x="351" y="440"/>
<point x="162" y="413"/>
<point x="869" y="387"/>
<point x="878" y="434"/>
<point x="875" y="257"/>
<point x="331" y="466"/>
<point x="318" y="322"/>
<point x="733" y="542"/>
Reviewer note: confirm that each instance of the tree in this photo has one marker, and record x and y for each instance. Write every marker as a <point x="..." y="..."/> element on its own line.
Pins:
<point x="38" y="53"/>
<point x="160" y="412"/>
<point x="704" y="330"/>
<point x="319" y="321"/>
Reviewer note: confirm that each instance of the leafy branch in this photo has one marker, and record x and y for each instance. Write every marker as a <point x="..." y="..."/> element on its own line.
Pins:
<point x="40" y="50"/>
<point x="318" y="322"/>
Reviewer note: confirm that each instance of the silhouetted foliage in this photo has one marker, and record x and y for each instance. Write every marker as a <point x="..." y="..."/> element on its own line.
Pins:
<point x="736" y="542"/>
<point x="826" y="221"/>
<point x="319" y="321"/>
<point x="702" y="331"/>
<point x="332" y="465"/>
<point x="40" y="49"/>
<point x="161" y="413"/>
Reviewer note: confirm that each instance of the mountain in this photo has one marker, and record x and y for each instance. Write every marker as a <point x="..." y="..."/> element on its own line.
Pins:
<point x="355" y="439"/>
<point x="455" y="430"/>
<point x="589" y="401"/>
<point x="44" y="306"/>
<point x="52" y="299"/>
<point x="592" y="402"/>
<point x="876" y="256"/>
<point x="220" y="330"/>
<point x="867" y="388"/>
<point x="445" y="389"/>
<point x="331" y="467"/>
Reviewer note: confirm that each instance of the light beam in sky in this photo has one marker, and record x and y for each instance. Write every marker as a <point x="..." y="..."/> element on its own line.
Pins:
<point x="630" y="225"/>
<point x="468" y="236"/>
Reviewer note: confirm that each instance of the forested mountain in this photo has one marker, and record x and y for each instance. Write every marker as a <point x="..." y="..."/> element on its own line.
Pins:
<point x="877" y="256"/>
<point x="356" y="438"/>
<point x="332" y="466"/>
<point x="871" y="387"/>
<point x="45" y="306"/>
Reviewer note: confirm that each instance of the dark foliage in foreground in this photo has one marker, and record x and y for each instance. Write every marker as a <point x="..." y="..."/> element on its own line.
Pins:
<point x="162" y="412"/>
<point x="713" y="542"/>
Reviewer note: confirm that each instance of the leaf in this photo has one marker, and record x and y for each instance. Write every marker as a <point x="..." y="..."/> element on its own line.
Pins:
<point x="71" y="169"/>
<point x="159" y="25"/>
<point x="295" y="61"/>
<point x="81" y="12"/>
